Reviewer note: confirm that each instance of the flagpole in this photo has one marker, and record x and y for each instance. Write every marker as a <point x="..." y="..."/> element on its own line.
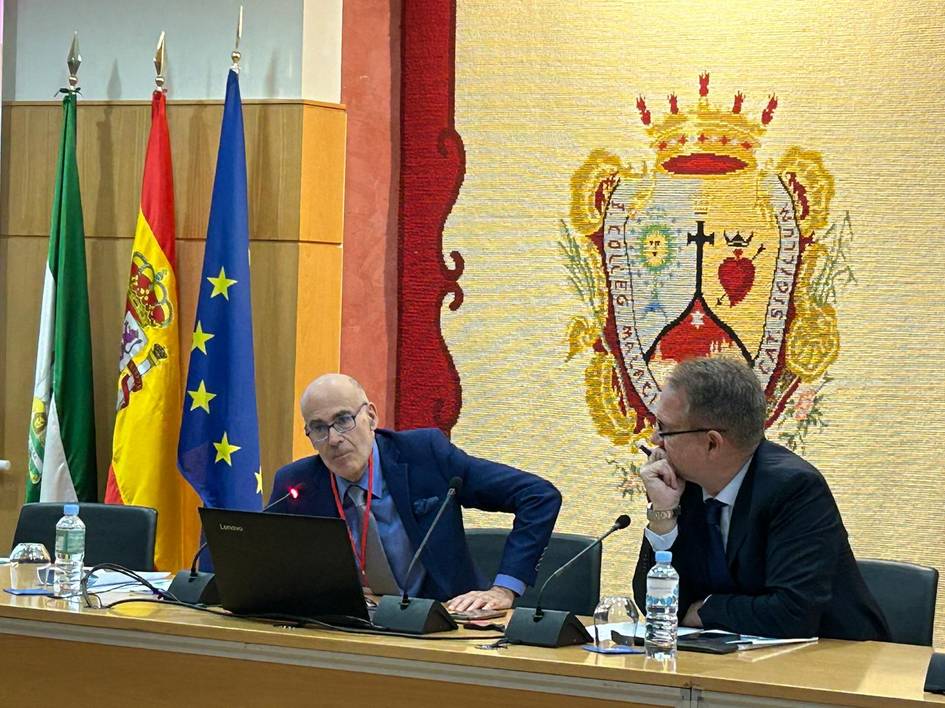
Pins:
<point x="235" y="54"/>
<point x="73" y="60"/>
<point x="159" y="60"/>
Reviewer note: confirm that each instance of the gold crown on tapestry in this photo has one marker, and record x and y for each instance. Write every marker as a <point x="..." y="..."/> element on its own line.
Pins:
<point x="148" y="294"/>
<point x="706" y="140"/>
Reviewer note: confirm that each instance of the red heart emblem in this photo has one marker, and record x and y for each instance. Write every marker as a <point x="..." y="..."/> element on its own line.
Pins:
<point x="737" y="275"/>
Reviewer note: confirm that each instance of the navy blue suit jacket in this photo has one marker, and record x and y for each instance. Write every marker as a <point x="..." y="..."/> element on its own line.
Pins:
<point x="417" y="466"/>
<point x="787" y="552"/>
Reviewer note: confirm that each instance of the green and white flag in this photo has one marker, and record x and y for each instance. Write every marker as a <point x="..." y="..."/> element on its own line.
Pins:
<point x="62" y="426"/>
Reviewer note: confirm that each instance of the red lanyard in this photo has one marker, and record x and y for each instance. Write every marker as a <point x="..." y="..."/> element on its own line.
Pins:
<point x="365" y="525"/>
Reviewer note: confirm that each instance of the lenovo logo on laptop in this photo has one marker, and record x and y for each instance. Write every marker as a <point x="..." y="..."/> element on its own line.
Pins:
<point x="230" y="527"/>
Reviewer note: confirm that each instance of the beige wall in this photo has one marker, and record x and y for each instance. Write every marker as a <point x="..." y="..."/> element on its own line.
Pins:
<point x="295" y="165"/>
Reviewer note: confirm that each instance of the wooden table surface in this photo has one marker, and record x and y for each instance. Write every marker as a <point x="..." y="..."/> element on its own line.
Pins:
<point x="827" y="672"/>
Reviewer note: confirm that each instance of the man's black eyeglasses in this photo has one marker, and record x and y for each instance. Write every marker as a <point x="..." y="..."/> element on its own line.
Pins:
<point x="671" y="433"/>
<point x="345" y="422"/>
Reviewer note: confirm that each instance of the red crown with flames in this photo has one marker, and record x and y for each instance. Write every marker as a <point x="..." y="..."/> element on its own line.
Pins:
<point x="706" y="140"/>
<point x="148" y="295"/>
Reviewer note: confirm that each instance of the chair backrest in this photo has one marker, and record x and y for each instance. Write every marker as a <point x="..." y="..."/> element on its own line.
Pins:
<point x="906" y="595"/>
<point x="576" y="590"/>
<point x="113" y="533"/>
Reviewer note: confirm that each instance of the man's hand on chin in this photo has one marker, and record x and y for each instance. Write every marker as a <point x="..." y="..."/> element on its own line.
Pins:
<point x="496" y="598"/>
<point x="692" y="618"/>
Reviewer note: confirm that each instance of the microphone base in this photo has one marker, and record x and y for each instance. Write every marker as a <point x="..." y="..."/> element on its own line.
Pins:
<point x="416" y="617"/>
<point x="554" y="628"/>
<point x="199" y="589"/>
<point x="935" y="677"/>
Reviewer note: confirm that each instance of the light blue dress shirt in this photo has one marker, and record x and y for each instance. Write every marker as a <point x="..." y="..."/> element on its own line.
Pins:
<point x="391" y="530"/>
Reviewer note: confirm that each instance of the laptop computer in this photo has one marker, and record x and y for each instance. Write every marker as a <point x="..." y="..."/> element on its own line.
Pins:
<point x="284" y="565"/>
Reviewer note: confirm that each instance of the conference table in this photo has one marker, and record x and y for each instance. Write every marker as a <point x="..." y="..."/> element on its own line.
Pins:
<point x="157" y="654"/>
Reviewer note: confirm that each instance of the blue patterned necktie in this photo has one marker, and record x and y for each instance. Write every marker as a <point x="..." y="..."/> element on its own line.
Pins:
<point x="720" y="580"/>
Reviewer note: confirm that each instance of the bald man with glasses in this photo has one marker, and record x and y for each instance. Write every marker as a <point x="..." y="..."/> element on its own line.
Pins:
<point x="756" y="536"/>
<point x="388" y="486"/>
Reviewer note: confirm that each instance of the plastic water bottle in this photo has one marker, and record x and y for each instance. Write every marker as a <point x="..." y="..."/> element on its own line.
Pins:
<point x="662" y="604"/>
<point x="70" y="551"/>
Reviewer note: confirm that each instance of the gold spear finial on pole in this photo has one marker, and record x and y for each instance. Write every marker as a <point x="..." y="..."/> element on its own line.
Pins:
<point x="235" y="55"/>
<point x="159" y="58"/>
<point x="72" y="61"/>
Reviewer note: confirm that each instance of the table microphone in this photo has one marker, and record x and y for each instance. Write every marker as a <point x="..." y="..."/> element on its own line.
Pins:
<point x="194" y="587"/>
<point x="554" y="628"/>
<point x="293" y="492"/>
<point x="418" y="616"/>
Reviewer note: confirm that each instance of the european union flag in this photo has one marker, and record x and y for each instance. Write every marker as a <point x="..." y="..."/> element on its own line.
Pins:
<point x="218" y="450"/>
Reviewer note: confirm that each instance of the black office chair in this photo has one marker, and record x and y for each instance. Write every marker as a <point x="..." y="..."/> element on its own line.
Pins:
<point x="577" y="589"/>
<point x="906" y="595"/>
<point x="113" y="533"/>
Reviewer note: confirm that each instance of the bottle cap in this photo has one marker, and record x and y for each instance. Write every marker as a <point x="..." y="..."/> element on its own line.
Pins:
<point x="664" y="556"/>
<point x="70" y="509"/>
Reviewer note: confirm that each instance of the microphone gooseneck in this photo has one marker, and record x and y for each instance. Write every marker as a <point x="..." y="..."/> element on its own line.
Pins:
<point x="456" y="484"/>
<point x="622" y="522"/>
<point x="193" y="566"/>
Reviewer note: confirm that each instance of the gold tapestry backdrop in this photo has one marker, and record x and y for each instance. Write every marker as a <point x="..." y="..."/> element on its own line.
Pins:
<point x="547" y="101"/>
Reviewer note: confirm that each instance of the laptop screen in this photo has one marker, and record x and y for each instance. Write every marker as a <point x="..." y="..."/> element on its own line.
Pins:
<point x="283" y="564"/>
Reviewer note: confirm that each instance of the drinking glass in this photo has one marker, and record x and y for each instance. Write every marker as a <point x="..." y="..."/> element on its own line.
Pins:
<point x="615" y="609"/>
<point x="29" y="566"/>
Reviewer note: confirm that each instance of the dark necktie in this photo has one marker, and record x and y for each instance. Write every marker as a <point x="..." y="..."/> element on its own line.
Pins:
<point x="720" y="580"/>
<point x="377" y="573"/>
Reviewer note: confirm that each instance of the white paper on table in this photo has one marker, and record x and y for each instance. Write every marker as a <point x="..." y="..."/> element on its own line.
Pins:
<point x="103" y="579"/>
<point x="163" y="584"/>
<point x="752" y="641"/>
<point x="746" y="641"/>
<point x="626" y="629"/>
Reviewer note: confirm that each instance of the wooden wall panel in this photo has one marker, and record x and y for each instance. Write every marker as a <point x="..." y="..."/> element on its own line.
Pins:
<point x="110" y="146"/>
<point x="111" y="142"/>
<point x="275" y="312"/>
<point x="323" y="175"/>
<point x="318" y="325"/>
<point x="30" y="140"/>
<point x="273" y="169"/>
<point x="296" y="284"/>
<point x="22" y="261"/>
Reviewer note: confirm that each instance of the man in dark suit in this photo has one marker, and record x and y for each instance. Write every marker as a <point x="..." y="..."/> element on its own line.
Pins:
<point x="755" y="533"/>
<point x="388" y="486"/>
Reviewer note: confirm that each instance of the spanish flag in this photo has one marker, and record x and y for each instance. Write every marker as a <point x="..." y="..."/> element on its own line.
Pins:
<point x="143" y="469"/>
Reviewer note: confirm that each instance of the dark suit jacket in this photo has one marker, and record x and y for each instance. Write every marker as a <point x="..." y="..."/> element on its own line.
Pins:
<point x="417" y="466"/>
<point x="787" y="552"/>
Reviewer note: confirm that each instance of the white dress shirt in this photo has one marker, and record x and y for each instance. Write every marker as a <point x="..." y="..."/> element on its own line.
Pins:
<point x="727" y="496"/>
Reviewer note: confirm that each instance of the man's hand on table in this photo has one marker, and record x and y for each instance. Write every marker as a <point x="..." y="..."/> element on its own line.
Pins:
<point x="495" y="598"/>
